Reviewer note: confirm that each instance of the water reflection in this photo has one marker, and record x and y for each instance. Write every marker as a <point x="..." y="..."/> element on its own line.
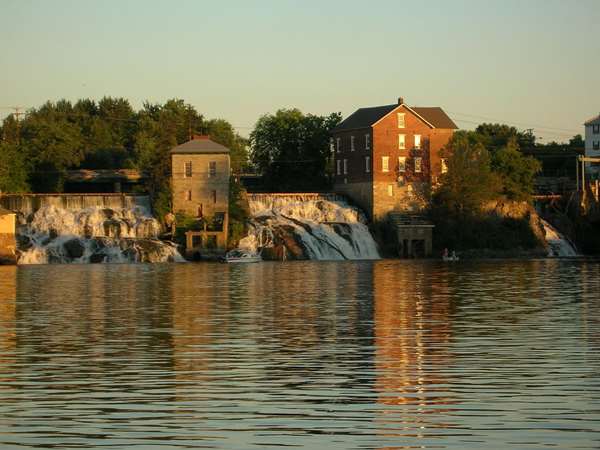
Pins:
<point x="385" y="354"/>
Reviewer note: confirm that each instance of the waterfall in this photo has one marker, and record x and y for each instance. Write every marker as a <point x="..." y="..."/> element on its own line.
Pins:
<point x="558" y="245"/>
<point x="90" y="235"/>
<point x="307" y="226"/>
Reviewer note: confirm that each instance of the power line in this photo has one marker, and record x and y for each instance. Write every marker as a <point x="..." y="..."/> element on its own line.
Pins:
<point x="513" y="123"/>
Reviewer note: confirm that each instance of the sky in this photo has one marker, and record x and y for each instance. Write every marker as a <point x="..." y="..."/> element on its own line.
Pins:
<point x="528" y="63"/>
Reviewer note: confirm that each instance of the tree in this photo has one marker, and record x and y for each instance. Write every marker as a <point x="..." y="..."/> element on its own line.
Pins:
<point x="291" y="149"/>
<point x="14" y="170"/>
<point x="469" y="182"/>
<point x="516" y="171"/>
<point x="495" y="136"/>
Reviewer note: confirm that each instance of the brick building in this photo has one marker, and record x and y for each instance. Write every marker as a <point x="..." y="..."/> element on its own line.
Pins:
<point x="387" y="157"/>
<point x="200" y="185"/>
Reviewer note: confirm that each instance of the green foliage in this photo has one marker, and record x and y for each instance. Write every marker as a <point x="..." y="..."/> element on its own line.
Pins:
<point x="469" y="181"/>
<point x="239" y="213"/>
<point x="516" y="171"/>
<point x="292" y="149"/>
<point x="495" y="136"/>
<point x="475" y="178"/>
<point x="14" y="170"/>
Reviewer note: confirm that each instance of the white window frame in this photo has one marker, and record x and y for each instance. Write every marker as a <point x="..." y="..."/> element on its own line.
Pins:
<point x="385" y="163"/>
<point x="367" y="164"/>
<point x="596" y="128"/>
<point x="390" y="190"/>
<point x="401" y="164"/>
<point x="444" y="165"/>
<point x="338" y="144"/>
<point x="417" y="141"/>
<point x="401" y="120"/>
<point x="367" y="142"/>
<point x="345" y="166"/>
<point x="418" y="162"/>
<point x="352" y="143"/>
<point x="339" y="166"/>
<point x="401" y="141"/>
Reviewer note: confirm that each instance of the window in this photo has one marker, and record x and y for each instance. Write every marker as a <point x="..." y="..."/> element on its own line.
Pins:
<point x="367" y="141"/>
<point x="337" y="143"/>
<point x="188" y="196"/>
<point x="214" y="196"/>
<point x="367" y="164"/>
<point x="596" y="145"/>
<point x="200" y="212"/>
<point x="339" y="166"/>
<point x="401" y="141"/>
<point x="444" y="165"/>
<point x="351" y="143"/>
<point x="418" y="164"/>
<point x="385" y="163"/>
<point x="212" y="169"/>
<point x="187" y="171"/>
<point x="596" y="129"/>
<point x="390" y="190"/>
<point x="345" y="166"/>
<point x="401" y="163"/>
<point x="401" y="120"/>
<point x="417" y="141"/>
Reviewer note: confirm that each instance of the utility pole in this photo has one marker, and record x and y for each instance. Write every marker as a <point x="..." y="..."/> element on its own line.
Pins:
<point x="18" y="113"/>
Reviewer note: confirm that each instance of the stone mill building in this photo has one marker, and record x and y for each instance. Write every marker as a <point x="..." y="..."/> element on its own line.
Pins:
<point x="200" y="185"/>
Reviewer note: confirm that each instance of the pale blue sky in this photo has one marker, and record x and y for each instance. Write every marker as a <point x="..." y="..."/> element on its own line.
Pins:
<point x="529" y="63"/>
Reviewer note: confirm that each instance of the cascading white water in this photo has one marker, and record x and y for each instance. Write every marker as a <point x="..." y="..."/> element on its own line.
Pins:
<point x="308" y="226"/>
<point x="96" y="234"/>
<point x="558" y="245"/>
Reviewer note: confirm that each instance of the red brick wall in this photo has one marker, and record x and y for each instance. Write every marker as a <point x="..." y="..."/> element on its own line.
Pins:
<point x="356" y="158"/>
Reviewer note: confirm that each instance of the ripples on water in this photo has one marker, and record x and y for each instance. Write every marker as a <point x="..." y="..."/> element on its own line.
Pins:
<point x="385" y="354"/>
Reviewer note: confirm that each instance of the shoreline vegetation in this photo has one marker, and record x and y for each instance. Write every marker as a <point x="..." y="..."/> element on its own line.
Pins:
<point x="481" y="207"/>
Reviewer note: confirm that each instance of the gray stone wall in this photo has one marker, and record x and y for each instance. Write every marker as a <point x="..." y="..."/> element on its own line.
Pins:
<point x="361" y="195"/>
<point x="201" y="185"/>
<point x="409" y="198"/>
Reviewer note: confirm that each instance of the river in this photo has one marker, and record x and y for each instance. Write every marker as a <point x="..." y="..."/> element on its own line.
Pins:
<point x="336" y="355"/>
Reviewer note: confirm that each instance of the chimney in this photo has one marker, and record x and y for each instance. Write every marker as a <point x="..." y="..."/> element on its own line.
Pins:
<point x="400" y="100"/>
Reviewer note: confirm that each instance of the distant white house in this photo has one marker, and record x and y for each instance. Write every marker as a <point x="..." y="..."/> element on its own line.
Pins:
<point x="592" y="144"/>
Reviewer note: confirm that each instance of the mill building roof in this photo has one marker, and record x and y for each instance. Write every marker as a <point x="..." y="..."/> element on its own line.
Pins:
<point x="366" y="117"/>
<point x="199" y="144"/>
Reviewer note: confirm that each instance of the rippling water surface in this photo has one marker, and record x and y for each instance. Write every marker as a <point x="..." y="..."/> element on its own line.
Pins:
<point x="339" y="355"/>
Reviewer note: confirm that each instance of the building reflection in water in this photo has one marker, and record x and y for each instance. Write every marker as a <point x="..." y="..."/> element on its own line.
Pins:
<point x="8" y="298"/>
<point x="413" y="332"/>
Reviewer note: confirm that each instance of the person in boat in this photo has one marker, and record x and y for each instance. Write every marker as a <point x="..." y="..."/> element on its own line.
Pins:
<point x="445" y="253"/>
<point x="453" y="256"/>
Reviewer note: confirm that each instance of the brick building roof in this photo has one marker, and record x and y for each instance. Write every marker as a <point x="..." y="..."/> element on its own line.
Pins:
<point x="365" y="117"/>
<point x="200" y="144"/>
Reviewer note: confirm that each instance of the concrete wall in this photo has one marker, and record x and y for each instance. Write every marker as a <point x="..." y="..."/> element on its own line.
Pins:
<point x="201" y="185"/>
<point x="361" y="195"/>
<point x="8" y="244"/>
<point x="29" y="203"/>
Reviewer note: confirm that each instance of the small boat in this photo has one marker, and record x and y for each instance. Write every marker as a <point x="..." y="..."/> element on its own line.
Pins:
<point x="241" y="256"/>
<point x="450" y="258"/>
